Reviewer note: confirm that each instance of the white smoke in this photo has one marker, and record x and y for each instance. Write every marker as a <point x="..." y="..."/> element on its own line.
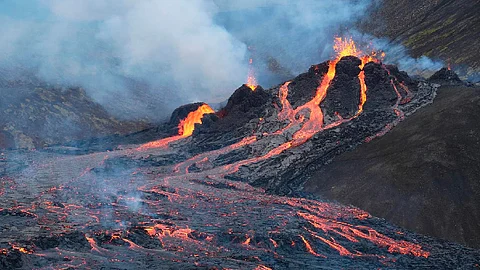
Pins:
<point x="169" y="52"/>
<point x="397" y="54"/>
<point x="144" y="58"/>
<point x="296" y="34"/>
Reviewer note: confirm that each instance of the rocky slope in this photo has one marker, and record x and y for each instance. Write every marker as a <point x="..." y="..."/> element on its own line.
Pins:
<point x="215" y="198"/>
<point x="446" y="29"/>
<point x="33" y="115"/>
<point x="423" y="175"/>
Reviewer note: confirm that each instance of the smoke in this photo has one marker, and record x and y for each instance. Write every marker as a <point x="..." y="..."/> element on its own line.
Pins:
<point x="127" y="54"/>
<point x="287" y="37"/>
<point x="397" y="54"/>
<point x="144" y="58"/>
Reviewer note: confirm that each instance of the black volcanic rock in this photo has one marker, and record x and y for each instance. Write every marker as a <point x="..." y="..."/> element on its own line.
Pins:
<point x="349" y="66"/>
<point x="244" y="100"/>
<point x="304" y="87"/>
<point x="343" y="94"/>
<point x="235" y="120"/>
<point x="423" y="175"/>
<point x="445" y="76"/>
<point x="243" y="106"/>
<point x="380" y="93"/>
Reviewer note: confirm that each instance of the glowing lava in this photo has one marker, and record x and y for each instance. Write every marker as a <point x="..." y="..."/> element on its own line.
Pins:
<point x="191" y="208"/>
<point x="185" y="128"/>
<point x="251" y="80"/>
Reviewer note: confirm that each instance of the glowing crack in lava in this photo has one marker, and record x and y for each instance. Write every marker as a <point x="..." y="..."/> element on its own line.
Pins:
<point x="251" y="80"/>
<point x="185" y="128"/>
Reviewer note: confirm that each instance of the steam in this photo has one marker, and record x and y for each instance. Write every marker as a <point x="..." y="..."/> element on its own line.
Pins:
<point x="127" y="53"/>
<point x="144" y="58"/>
<point x="398" y="54"/>
<point x="290" y="34"/>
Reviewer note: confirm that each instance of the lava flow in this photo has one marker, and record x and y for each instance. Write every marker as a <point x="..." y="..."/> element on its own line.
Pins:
<point x="172" y="209"/>
<point x="185" y="128"/>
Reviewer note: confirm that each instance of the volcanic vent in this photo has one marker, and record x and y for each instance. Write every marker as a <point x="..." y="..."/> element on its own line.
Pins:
<point x="209" y="196"/>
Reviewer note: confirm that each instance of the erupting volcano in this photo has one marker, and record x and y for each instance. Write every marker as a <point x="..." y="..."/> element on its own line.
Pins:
<point x="216" y="199"/>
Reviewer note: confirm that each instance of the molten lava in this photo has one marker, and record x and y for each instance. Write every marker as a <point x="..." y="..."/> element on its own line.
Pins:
<point x="185" y="128"/>
<point x="187" y="125"/>
<point x="190" y="212"/>
<point x="251" y="81"/>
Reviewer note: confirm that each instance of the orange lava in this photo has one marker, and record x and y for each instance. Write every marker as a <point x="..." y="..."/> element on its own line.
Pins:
<point x="308" y="120"/>
<point x="251" y="80"/>
<point x="185" y="128"/>
<point x="353" y="232"/>
<point x="262" y="267"/>
<point x="309" y="248"/>
<point x="247" y="242"/>
<point x="94" y="245"/>
<point x="21" y="249"/>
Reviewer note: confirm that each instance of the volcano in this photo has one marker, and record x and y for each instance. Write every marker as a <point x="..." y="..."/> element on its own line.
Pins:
<point x="224" y="189"/>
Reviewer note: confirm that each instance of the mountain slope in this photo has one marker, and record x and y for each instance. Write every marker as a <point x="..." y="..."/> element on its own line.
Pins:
<point x="33" y="116"/>
<point x="447" y="29"/>
<point x="423" y="175"/>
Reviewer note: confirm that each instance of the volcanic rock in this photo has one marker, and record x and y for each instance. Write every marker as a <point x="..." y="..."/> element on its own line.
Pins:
<point x="380" y="93"/>
<point x="285" y="173"/>
<point x="178" y="207"/>
<point x="304" y="87"/>
<point x="343" y="95"/>
<point x="423" y="175"/>
<point x="47" y="115"/>
<point x="445" y="76"/>
<point x="246" y="101"/>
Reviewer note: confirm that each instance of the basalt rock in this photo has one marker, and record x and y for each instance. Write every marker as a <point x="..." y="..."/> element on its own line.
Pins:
<point x="343" y="95"/>
<point x="246" y="100"/>
<point x="304" y="87"/>
<point x="380" y="93"/>
<point x="445" y="76"/>
<point x="243" y="106"/>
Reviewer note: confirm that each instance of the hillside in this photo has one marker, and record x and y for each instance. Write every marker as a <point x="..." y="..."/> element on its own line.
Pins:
<point x="446" y="29"/>
<point x="34" y="115"/>
<point x="423" y="175"/>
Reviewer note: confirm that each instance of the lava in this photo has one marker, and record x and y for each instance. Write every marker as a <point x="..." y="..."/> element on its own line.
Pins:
<point x="251" y="80"/>
<point x="185" y="128"/>
<point x="309" y="248"/>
